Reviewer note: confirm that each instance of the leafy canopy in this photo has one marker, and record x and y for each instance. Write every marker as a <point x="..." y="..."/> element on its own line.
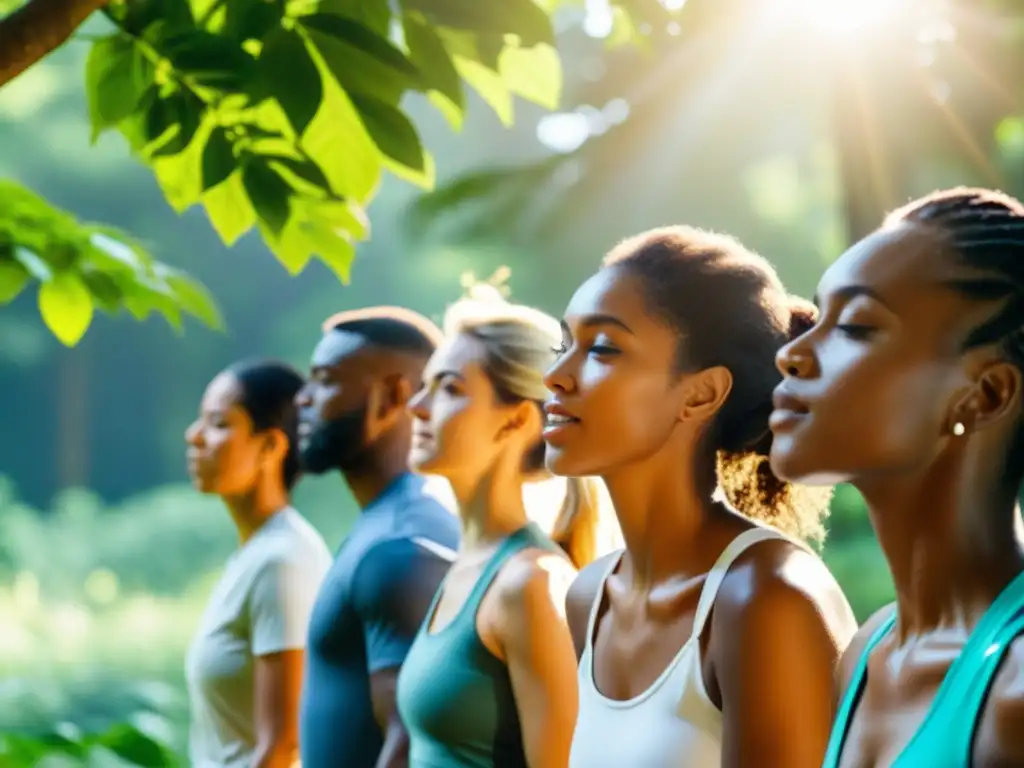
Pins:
<point x="83" y="267"/>
<point x="282" y="115"/>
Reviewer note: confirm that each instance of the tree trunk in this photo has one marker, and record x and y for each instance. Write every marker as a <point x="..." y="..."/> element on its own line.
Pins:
<point x="37" y="28"/>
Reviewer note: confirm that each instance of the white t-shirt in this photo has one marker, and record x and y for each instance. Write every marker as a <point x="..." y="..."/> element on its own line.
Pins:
<point x="260" y="606"/>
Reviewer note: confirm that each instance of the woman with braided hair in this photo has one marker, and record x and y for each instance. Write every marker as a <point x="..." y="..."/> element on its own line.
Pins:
<point x="490" y="680"/>
<point x="910" y="387"/>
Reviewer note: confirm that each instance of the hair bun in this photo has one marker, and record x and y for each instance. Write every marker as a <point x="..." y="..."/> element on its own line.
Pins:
<point x="802" y="316"/>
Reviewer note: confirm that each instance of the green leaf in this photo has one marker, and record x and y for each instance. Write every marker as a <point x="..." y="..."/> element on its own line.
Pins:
<point x="375" y="16"/>
<point x="337" y="253"/>
<point x="209" y="59"/>
<point x="66" y="307"/>
<point x="304" y="169"/>
<point x="268" y="192"/>
<point x="172" y="122"/>
<point x="13" y="279"/>
<point x="428" y="52"/>
<point x="289" y="75"/>
<point x="341" y="146"/>
<point x="218" y="158"/>
<point x="116" y="78"/>
<point x="192" y="297"/>
<point x="533" y="73"/>
<point x="392" y="132"/>
<point x="360" y="60"/>
<point x="362" y="38"/>
<point x="340" y="215"/>
<point x="424" y="179"/>
<point x="133" y="746"/>
<point x="251" y="19"/>
<point x="106" y="293"/>
<point x="35" y="266"/>
<point x="523" y="18"/>
<point x="229" y="209"/>
<point x="489" y="85"/>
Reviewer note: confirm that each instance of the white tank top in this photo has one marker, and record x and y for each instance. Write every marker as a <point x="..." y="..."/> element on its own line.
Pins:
<point x="672" y="724"/>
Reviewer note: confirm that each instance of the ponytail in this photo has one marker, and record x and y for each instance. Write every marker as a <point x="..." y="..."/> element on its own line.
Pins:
<point x="745" y="473"/>
<point x="577" y="528"/>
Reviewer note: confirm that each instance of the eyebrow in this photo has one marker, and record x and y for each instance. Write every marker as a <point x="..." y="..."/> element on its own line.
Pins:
<point x="848" y="292"/>
<point x="592" y="321"/>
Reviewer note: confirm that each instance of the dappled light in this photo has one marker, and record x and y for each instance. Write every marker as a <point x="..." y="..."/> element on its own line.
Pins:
<point x="188" y="183"/>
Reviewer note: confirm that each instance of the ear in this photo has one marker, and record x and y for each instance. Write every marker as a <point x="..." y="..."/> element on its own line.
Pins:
<point x="275" y="447"/>
<point x="386" y="403"/>
<point x="520" y="418"/>
<point x="704" y="393"/>
<point x="995" y="395"/>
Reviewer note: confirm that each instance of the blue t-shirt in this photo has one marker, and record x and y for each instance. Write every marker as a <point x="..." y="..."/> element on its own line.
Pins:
<point x="366" y="616"/>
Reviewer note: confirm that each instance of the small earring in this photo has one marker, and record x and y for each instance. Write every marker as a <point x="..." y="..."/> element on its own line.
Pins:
<point x="959" y="428"/>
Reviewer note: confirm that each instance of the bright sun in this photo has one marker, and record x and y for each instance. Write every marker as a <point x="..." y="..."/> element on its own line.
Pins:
<point x="844" y="16"/>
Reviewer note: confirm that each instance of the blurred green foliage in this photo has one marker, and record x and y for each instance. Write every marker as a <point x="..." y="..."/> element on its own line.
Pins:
<point x="84" y="267"/>
<point x="102" y="601"/>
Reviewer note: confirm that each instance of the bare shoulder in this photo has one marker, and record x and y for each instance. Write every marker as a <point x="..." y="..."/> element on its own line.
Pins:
<point x="1000" y="739"/>
<point x="853" y="652"/>
<point x="533" y="575"/>
<point x="778" y="585"/>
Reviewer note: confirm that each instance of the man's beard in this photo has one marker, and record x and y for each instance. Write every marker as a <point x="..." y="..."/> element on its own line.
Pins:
<point x="337" y="444"/>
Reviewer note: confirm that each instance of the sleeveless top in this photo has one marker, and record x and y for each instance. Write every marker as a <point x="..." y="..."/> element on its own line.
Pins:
<point x="454" y="696"/>
<point x="946" y="736"/>
<point x="673" y="724"/>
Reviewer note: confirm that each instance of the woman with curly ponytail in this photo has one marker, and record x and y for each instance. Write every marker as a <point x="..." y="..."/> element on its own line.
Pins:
<point x="711" y="640"/>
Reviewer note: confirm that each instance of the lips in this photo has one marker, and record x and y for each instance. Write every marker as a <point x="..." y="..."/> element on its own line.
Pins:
<point x="788" y="411"/>
<point x="557" y="420"/>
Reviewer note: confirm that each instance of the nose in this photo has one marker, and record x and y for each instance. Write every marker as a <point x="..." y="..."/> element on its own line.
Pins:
<point x="796" y="359"/>
<point x="192" y="434"/>
<point x="558" y="378"/>
<point x="302" y="397"/>
<point x="418" y="405"/>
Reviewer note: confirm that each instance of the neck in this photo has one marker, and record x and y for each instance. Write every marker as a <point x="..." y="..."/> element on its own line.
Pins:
<point x="383" y="464"/>
<point x="952" y="544"/>
<point x="663" y="511"/>
<point x="490" y="507"/>
<point x="250" y="511"/>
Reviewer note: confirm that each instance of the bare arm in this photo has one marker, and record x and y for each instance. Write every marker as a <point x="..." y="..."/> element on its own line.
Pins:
<point x="775" y="652"/>
<point x="538" y="650"/>
<point x="277" y="685"/>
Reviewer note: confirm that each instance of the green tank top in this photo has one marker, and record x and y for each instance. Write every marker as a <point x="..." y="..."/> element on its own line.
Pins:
<point x="454" y="696"/>
<point x="945" y="738"/>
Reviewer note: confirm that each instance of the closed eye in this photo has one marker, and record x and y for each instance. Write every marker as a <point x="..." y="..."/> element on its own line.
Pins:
<point x="858" y="332"/>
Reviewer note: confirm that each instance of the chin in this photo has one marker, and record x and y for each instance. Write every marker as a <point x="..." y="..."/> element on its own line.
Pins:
<point x="559" y="461"/>
<point x="798" y="464"/>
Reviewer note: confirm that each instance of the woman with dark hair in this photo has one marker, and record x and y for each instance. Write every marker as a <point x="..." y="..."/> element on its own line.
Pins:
<point x="910" y="388"/>
<point x="490" y="679"/>
<point x="712" y="639"/>
<point x="244" y="667"/>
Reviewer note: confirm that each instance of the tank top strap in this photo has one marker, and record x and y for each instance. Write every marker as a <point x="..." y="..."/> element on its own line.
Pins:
<point x="527" y="536"/>
<point x="716" y="575"/>
<point x="852" y="696"/>
<point x="595" y="607"/>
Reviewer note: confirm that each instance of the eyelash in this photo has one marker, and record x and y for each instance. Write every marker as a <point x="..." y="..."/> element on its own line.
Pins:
<point x="599" y="349"/>
<point x="856" y="331"/>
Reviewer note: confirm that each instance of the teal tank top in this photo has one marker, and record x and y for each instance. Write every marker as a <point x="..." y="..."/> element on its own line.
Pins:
<point x="946" y="736"/>
<point x="454" y="696"/>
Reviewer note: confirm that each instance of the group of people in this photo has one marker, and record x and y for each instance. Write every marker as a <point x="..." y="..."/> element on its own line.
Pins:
<point x="688" y="381"/>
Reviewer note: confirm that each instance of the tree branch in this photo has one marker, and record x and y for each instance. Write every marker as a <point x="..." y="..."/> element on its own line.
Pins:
<point x="36" y="29"/>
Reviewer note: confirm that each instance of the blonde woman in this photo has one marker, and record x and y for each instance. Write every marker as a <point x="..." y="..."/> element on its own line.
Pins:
<point x="491" y="677"/>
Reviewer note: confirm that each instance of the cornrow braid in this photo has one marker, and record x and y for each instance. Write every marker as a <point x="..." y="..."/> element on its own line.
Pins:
<point x="985" y="229"/>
